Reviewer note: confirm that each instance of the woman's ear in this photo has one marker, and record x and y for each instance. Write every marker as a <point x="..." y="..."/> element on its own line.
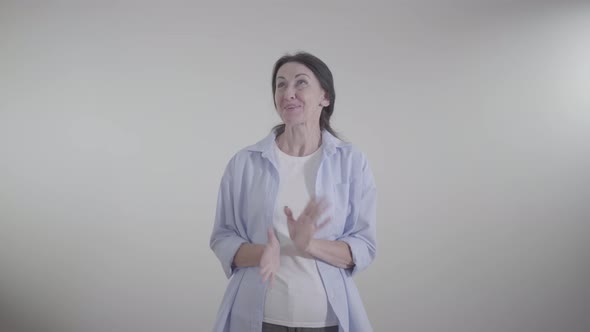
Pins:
<point x="326" y="101"/>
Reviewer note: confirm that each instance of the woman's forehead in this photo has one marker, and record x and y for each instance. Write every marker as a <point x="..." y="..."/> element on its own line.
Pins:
<point x="292" y="69"/>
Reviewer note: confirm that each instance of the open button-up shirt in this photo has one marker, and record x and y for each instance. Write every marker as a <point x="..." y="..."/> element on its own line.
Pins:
<point x="245" y="205"/>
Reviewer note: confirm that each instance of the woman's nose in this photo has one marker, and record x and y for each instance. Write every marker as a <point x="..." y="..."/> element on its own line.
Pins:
<point x="289" y="92"/>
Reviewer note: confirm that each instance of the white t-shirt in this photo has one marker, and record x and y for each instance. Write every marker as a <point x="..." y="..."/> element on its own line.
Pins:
<point x="298" y="297"/>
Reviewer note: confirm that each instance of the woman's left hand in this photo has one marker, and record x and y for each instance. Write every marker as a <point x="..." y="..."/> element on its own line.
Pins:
<point x="302" y="229"/>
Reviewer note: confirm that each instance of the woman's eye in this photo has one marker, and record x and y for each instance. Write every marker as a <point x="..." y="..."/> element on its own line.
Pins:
<point x="301" y="82"/>
<point x="280" y="85"/>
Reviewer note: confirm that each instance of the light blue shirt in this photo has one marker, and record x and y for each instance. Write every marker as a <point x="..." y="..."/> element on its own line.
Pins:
<point x="245" y="206"/>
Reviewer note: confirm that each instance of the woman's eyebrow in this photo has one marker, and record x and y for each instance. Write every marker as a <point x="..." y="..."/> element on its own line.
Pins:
<point x="301" y="74"/>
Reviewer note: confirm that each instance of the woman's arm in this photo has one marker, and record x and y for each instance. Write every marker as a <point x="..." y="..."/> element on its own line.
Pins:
<point x="355" y="249"/>
<point x="265" y="256"/>
<point x="226" y="238"/>
<point x="360" y="231"/>
<point x="302" y="230"/>
<point x="336" y="253"/>
<point x="248" y="255"/>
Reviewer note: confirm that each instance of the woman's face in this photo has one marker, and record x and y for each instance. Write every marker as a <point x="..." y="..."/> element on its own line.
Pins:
<point x="299" y="97"/>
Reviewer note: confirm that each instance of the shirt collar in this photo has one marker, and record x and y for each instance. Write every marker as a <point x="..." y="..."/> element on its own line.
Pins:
<point x="329" y="142"/>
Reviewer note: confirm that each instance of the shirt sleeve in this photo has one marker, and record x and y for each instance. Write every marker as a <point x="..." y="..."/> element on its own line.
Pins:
<point x="225" y="239"/>
<point x="360" y="231"/>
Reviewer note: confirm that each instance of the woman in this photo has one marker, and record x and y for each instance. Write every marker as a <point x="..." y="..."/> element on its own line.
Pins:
<point x="296" y="216"/>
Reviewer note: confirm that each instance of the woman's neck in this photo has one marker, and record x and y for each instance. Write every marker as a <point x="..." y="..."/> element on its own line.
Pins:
<point x="300" y="141"/>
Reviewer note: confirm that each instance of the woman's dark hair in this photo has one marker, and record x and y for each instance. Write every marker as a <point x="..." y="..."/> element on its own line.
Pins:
<point x="324" y="76"/>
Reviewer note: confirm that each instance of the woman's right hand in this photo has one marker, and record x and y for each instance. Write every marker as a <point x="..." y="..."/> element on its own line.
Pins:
<point x="270" y="259"/>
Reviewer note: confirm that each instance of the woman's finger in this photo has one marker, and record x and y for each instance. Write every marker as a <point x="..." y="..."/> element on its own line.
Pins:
<point x="263" y="275"/>
<point x="270" y="234"/>
<point x="324" y="223"/>
<point x="322" y="207"/>
<point x="309" y="207"/>
<point x="289" y="214"/>
<point x="319" y="208"/>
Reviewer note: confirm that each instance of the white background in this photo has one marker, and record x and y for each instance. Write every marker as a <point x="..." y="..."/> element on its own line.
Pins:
<point x="118" y="118"/>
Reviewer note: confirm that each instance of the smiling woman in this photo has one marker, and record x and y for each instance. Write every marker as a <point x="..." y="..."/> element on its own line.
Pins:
<point x="296" y="216"/>
<point x="298" y="94"/>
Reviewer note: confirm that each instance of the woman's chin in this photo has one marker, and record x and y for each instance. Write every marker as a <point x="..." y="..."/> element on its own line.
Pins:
<point x="293" y="120"/>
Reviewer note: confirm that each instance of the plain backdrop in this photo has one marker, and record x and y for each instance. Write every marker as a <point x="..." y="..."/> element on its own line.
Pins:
<point x="117" y="119"/>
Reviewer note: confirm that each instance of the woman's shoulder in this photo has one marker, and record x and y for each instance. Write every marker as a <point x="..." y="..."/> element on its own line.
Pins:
<point x="342" y="146"/>
<point x="351" y="152"/>
<point x="239" y="158"/>
<point x="351" y="159"/>
<point x="250" y="154"/>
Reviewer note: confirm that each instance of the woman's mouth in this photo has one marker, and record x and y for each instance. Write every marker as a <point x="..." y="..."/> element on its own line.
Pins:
<point x="290" y="108"/>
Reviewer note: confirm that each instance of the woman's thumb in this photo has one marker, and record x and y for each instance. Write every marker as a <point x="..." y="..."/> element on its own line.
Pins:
<point x="271" y="234"/>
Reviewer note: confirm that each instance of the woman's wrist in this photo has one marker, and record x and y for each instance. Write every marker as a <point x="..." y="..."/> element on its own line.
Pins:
<point x="311" y="248"/>
<point x="334" y="252"/>
<point x="248" y="255"/>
